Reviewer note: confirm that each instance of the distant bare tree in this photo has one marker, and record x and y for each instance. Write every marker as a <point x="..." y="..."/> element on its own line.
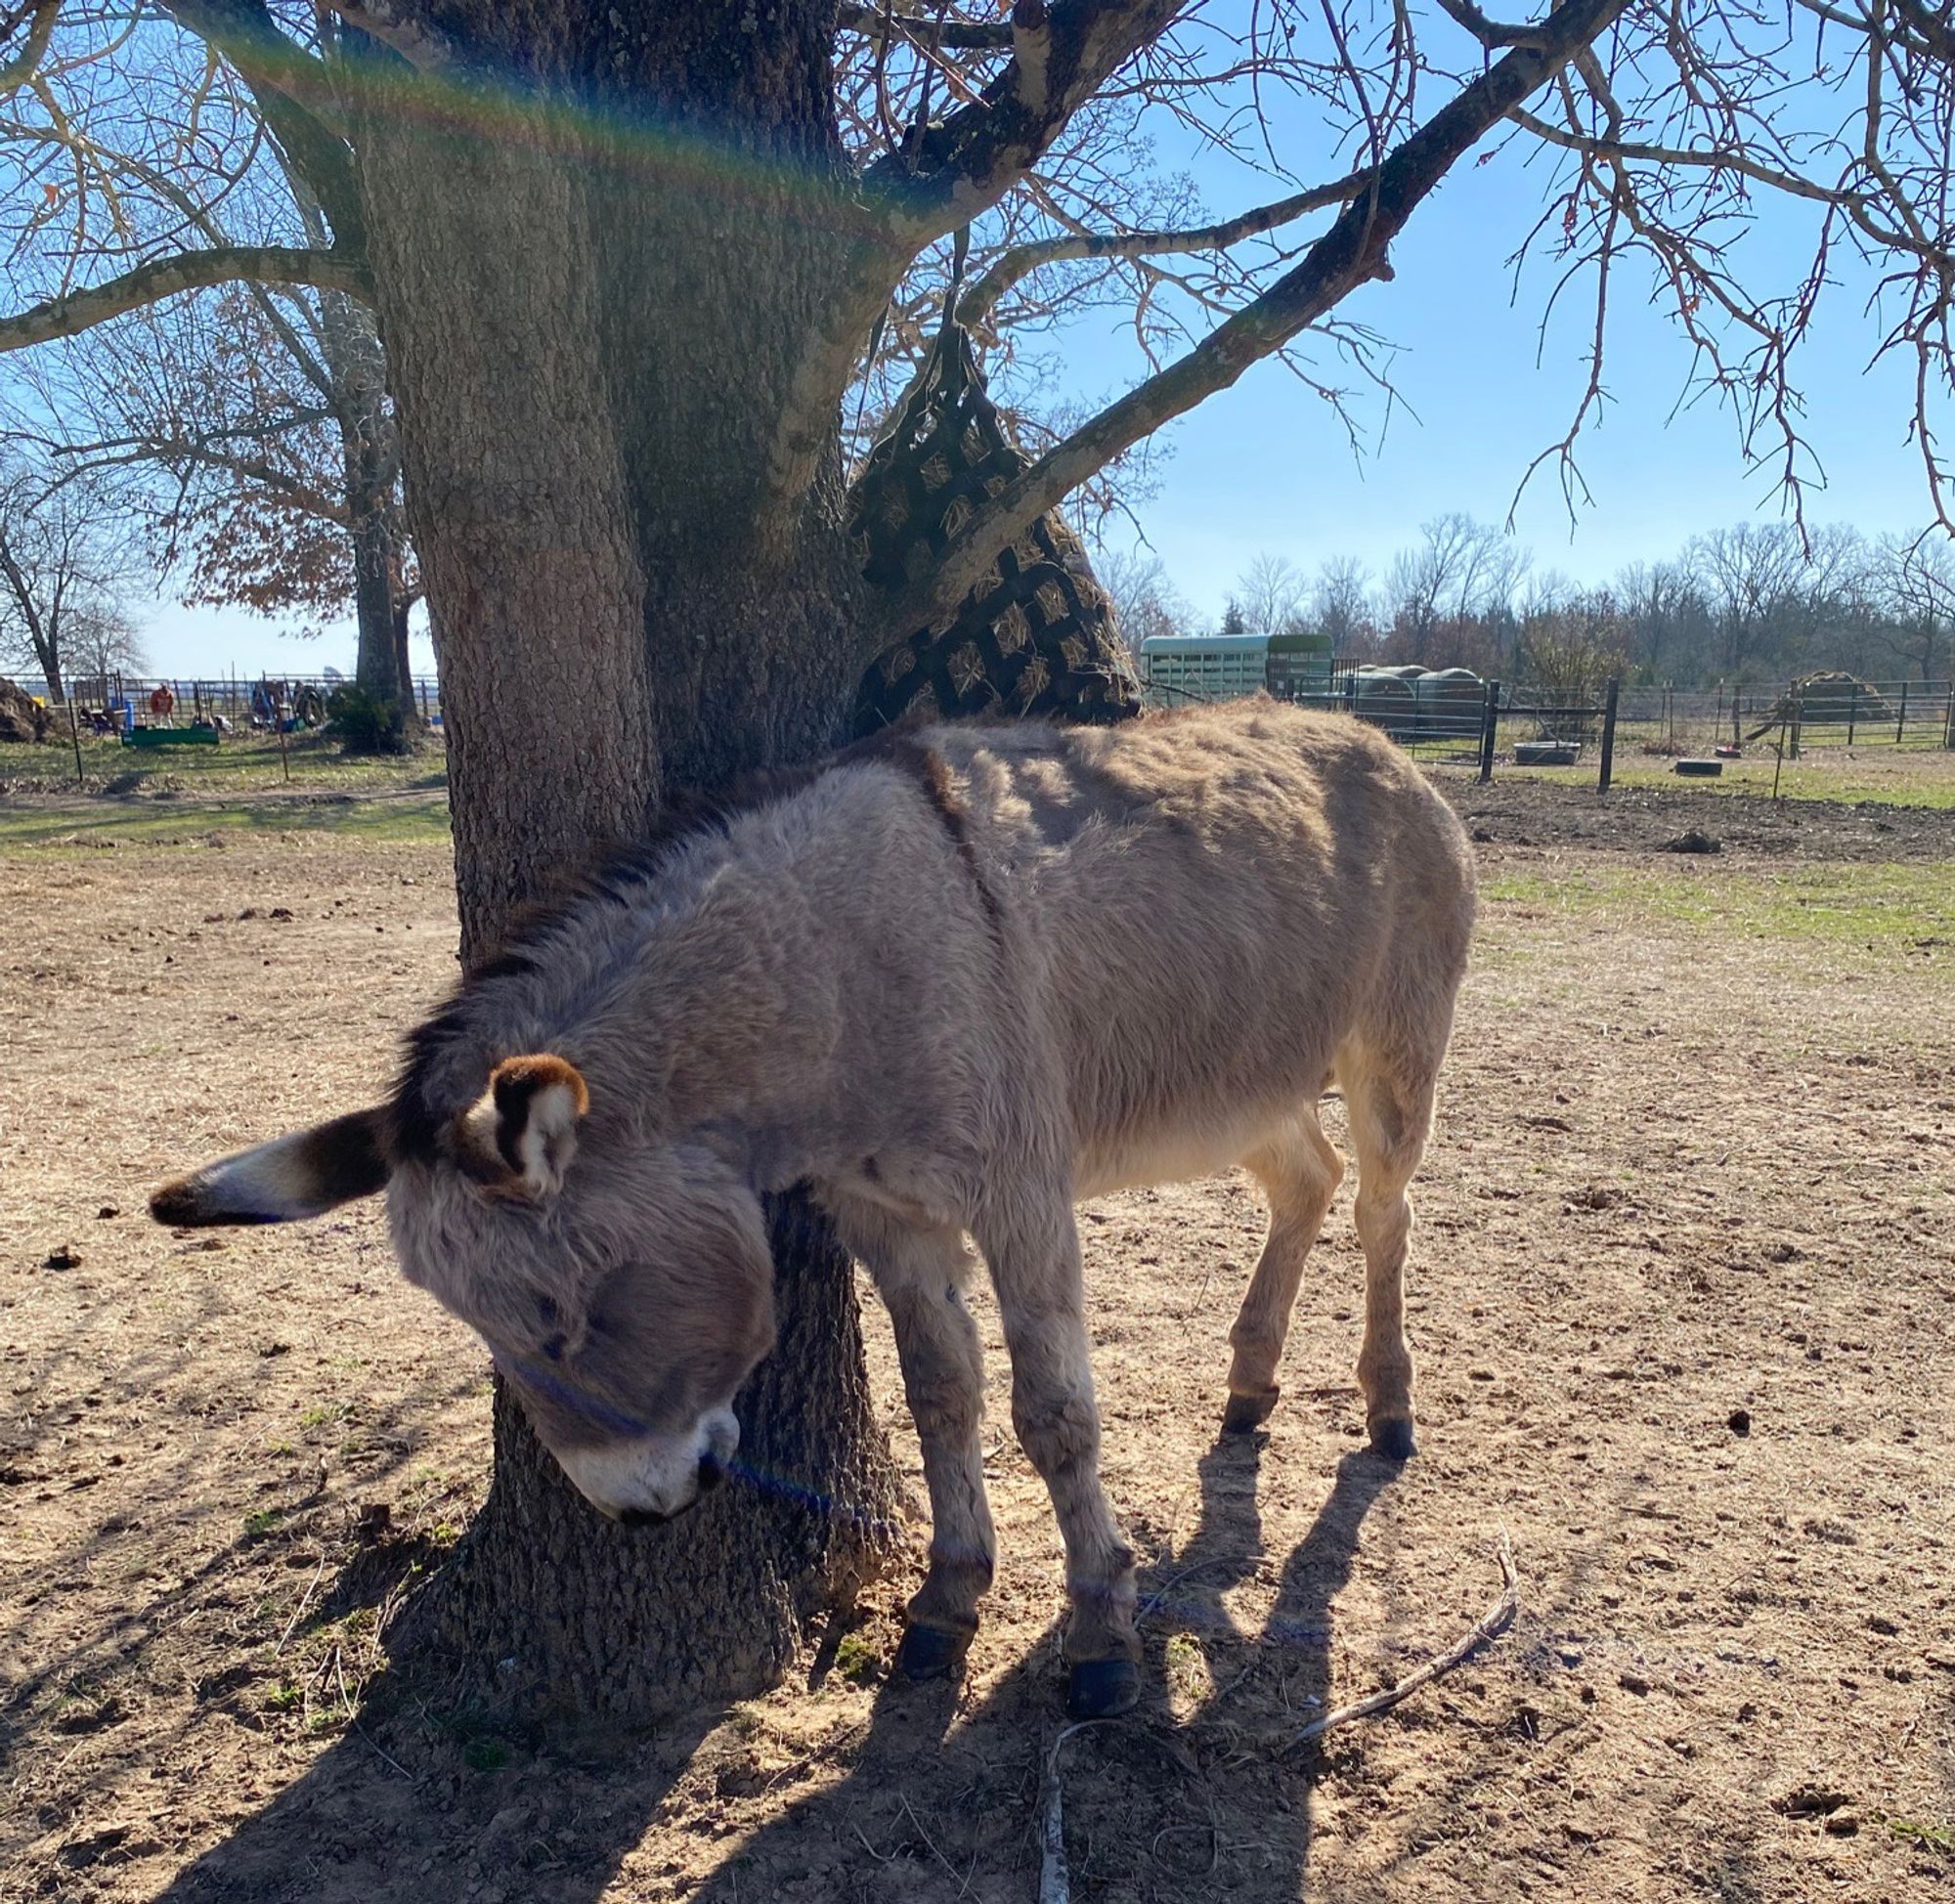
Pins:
<point x="65" y="555"/>
<point x="1340" y="606"/>
<point x="1915" y="579"/>
<point x="1146" y="602"/>
<point x="102" y="640"/>
<point x="1271" y="592"/>
<point x="1460" y="572"/>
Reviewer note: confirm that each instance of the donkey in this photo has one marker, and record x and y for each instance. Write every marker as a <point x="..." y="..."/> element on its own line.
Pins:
<point x="951" y="985"/>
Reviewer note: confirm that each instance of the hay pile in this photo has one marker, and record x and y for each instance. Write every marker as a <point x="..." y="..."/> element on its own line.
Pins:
<point x="21" y="718"/>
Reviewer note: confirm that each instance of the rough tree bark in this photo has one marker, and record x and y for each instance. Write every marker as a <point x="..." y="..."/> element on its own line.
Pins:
<point x="587" y="367"/>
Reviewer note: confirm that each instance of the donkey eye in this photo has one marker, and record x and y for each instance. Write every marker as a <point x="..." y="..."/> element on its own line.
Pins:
<point x="554" y="1348"/>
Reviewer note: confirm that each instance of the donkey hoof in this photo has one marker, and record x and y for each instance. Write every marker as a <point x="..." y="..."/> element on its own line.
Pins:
<point x="929" y="1653"/>
<point x="1101" y="1688"/>
<point x="1393" y="1440"/>
<point x="1246" y="1411"/>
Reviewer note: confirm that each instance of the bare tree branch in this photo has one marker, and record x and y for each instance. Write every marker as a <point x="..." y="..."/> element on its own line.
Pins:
<point x="258" y="264"/>
<point x="951" y="171"/>
<point x="1353" y="250"/>
<point x="1023" y="259"/>
<point x="422" y="46"/>
<point x="293" y="92"/>
<point x="26" y="63"/>
<point x="953" y="35"/>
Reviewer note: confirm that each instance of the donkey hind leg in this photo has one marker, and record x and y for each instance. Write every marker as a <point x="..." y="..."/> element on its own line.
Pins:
<point x="921" y="1273"/>
<point x="1299" y="1171"/>
<point x="1033" y="1252"/>
<point x="1389" y="1096"/>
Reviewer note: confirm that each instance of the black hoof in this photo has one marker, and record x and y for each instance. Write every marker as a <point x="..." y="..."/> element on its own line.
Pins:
<point x="929" y="1653"/>
<point x="1101" y="1688"/>
<point x="1393" y="1440"/>
<point x="1246" y="1411"/>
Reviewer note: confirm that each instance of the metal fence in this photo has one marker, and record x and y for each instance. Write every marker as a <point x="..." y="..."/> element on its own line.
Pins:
<point x="115" y="703"/>
<point x="1819" y="711"/>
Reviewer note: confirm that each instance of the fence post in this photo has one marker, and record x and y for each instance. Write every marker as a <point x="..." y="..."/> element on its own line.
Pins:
<point x="1737" y="723"/>
<point x="1900" y="723"/>
<point x="1949" y="721"/>
<point x="1490" y="720"/>
<point x="1797" y="695"/>
<point x="1852" y="710"/>
<point x="1608" y="734"/>
<point x="74" y="729"/>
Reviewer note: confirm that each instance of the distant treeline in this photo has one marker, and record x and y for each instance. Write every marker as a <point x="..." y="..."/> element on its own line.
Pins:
<point x="1752" y="603"/>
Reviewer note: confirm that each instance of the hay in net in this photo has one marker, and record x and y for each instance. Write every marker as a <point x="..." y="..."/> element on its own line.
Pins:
<point x="1037" y="635"/>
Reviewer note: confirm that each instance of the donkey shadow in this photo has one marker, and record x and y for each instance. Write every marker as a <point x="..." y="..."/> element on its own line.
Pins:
<point x="943" y="1800"/>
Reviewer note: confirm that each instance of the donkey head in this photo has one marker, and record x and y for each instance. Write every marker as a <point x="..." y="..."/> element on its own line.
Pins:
<point x="621" y="1280"/>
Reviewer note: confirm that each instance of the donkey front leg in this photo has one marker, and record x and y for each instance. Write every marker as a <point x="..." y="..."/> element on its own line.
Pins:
<point x="920" y="1275"/>
<point x="1033" y="1251"/>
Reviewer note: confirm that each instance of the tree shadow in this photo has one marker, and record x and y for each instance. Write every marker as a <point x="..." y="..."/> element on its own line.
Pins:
<point x="1190" y="1796"/>
<point x="417" y="1802"/>
<point x="941" y="1800"/>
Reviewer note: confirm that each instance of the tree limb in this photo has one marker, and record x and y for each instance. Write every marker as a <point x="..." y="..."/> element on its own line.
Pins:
<point x="26" y="63"/>
<point x="1353" y="250"/>
<point x="258" y="264"/>
<point x="1489" y="33"/>
<point x="293" y="92"/>
<point x="953" y="35"/>
<point x="1022" y="259"/>
<point x="949" y="171"/>
<point x="418" y="44"/>
<point x="942" y="177"/>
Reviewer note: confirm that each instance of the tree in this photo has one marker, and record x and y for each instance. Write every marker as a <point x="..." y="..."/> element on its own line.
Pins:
<point x="628" y="265"/>
<point x="64" y="555"/>
<point x="1234" y="620"/>
<point x="251" y="429"/>
<point x="1915" y="580"/>
<point x="1144" y="601"/>
<point x="1340" y="607"/>
<point x="1271" y="592"/>
<point x="102" y="641"/>
<point x="1460" y="572"/>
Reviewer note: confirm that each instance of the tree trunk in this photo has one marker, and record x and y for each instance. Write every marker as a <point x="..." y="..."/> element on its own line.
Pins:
<point x="369" y="459"/>
<point x="590" y="320"/>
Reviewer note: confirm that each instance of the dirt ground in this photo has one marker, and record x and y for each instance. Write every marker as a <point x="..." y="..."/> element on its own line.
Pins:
<point x="1682" y="1294"/>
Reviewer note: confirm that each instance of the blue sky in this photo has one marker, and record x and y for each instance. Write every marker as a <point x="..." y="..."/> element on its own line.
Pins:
<point x="1266" y="467"/>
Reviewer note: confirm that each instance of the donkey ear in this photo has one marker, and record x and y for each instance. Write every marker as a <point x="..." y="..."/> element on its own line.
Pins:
<point x="303" y="1175"/>
<point x="518" y="1138"/>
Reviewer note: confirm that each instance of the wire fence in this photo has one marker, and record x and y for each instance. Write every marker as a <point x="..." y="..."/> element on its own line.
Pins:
<point x="1455" y="716"/>
<point x="106" y="705"/>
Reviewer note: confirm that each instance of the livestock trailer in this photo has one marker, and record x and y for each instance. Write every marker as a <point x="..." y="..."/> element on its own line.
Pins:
<point x="1176" y="669"/>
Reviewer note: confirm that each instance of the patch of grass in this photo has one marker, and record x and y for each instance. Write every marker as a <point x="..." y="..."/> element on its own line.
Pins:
<point x="263" y="1520"/>
<point x="100" y="825"/>
<point x="1888" y="906"/>
<point x="325" y="1414"/>
<point x="1890" y="776"/>
<point x="1930" y="1837"/>
<point x="484" y="1755"/>
<point x="856" y="1661"/>
<point x="285" y="1697"/>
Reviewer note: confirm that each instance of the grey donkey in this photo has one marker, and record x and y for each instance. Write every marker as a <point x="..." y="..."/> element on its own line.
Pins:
<point x="952" y="984"/>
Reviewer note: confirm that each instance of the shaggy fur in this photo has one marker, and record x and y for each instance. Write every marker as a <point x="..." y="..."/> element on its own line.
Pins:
<point x="953" y="986"/>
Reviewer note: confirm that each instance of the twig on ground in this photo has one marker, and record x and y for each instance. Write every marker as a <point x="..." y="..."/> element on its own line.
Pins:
<point x="1496" y="1620"/>
<point x="1054" y="1884"/>
<point x="1054" y="1887"/>
<point x="304" y="1602"/>
<point x="352" y="1719"/>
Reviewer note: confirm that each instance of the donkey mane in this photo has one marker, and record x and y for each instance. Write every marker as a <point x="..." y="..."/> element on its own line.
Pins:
<point x="619" y="876"/>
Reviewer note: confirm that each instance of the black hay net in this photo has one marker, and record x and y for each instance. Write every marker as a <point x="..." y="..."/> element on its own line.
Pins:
<point x="1037" y="635"/>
